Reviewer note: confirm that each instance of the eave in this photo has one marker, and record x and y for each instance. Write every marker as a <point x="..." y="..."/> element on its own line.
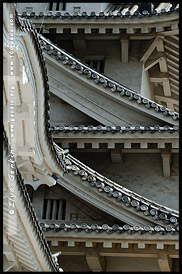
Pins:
<point x="129" y="20"/>
<point x="126" y="136"/>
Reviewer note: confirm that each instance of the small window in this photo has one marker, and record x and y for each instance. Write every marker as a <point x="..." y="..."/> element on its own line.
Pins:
<point x="64" y="6"/>
<point x="50" y="5"/>
<point x="96" y="62"/>
<point x="54" y="209"/>
<point x="57" y="6"/>
<point x="29" y="9"/>
<point x="76" y="9"/>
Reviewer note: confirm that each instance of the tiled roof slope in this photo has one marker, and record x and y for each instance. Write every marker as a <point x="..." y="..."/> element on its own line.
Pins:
<point x="116" y="191"/>
<point x="113" y="129"/>
<point x="123" y="10"/>
<point x="30" y="211"/>
<point x="110" y="229"/>
<point x="85" y="71"/>
<point x="70" y="164"/>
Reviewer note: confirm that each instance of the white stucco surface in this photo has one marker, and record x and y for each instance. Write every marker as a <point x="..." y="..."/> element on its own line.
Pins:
<point x="141" y="173"/>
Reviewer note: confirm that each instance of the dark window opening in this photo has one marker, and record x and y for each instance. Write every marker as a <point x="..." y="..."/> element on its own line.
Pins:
<point x="52" y="30"/>
<point x="50" y="5"/>
<point x="54" y="209"/>
<point x="64" y="210"/>
<point x="64" y="6"/>
<point x="57" y="6"/>
<point x="145" y="6"/>
<point x="96" y="64"/>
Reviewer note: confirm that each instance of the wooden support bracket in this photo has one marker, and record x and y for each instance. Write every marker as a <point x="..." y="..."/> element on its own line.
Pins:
<point x="166" y="161"/>
<point x="124" y="49"/>
<point x="165" y="263"/>
<point x="95" y="262"/>
<point x="116" y="156"/>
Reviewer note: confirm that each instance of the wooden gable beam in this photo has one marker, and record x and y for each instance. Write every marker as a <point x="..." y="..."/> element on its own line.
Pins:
<point x="157" y="43"/>
<point x="163" y="64"/>
<point x="166" y="99"/>
<point x="165" y="263"/>
<point x="155" y="58"/>
<point x="175" y="43"/>
<point x="172" y="49"/>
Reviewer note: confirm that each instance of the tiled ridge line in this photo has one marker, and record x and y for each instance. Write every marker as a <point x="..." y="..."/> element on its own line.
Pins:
<point x="94" y="15"/>
<point x="110" y="229"/>
<point x="113" y="129"/>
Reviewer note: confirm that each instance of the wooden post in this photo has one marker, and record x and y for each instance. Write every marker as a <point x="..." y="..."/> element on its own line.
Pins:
<point x="60" y="210"/>
<point x="166" y="161"/>
<point x="98" y="65"/>
<point x="165" y="263"/>
<point x="116" y="156"/>
<point x="124" y="49"/>
<point x="54" y="210"/>
<point x="95" y="262"/>
<point x="48" y="210"/>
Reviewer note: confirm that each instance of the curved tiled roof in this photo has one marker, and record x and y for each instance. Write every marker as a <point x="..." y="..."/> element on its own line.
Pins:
<point x="116" y="191"/>
<point x="70" y="164"/>
<point x="114" y="11"/>
<point x="110" y="229"/>
<point x="113" y="129"/>
<point x="28" y="207"/>
<point x="84" y="70"/>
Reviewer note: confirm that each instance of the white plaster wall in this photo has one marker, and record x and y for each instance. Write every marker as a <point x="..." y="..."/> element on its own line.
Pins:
<point x="141" y="173"/>
<point x="73" y="263"/>
<point x="88" y="7"/>
<point x="128" y="74"/>
<point x="147" y="88"/>
<point x="37" y="7"/>
<point x="114" y="264"/>
<point x="63" y="113"/>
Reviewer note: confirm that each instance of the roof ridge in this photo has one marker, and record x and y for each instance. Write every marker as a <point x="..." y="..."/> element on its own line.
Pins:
<point x="113" y="129"/>
<point x="130" y="229"/>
